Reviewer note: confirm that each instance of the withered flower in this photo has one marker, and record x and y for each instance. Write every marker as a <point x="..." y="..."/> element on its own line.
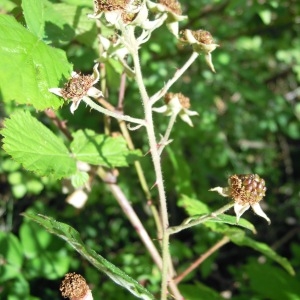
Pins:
<point x="202" y="42"/>
<point x="178" y="104"/>
<point x="171" y="11"/>
<point x="247" y="190"/>
<point x="79" y="87"/>
<point x="75" y="287"/>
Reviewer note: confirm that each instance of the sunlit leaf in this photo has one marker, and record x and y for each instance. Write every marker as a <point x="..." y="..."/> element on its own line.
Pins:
<point x="70" y="235"/>
<point x="99" y="149"/>
<point x="28" y="67"/>
<point x="36" y="147"/>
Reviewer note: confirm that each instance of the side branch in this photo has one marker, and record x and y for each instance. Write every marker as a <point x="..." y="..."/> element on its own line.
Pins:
<point x="115" y="115"/>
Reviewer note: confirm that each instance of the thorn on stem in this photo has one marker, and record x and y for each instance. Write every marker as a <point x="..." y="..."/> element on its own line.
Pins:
<point x="154" y="185"/>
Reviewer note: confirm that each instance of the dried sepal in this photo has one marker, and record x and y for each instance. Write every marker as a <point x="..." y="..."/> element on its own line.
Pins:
<point x="170" y="11"/>
<point x="177" y="104"/>
<point x="202" y="42"/>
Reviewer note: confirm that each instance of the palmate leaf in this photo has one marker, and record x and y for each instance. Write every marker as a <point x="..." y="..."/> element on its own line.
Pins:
<point x="70" y="235"/>
<point x="29" y="67"/>
<point x="34" y="14"/>
<point x="36" y="147"/>
<point x="99" y="149"/>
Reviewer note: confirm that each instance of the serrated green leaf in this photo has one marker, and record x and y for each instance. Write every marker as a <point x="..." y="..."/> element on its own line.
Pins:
<point x="34" y="14"/>
<point x="243" y="240"/>
<point x="99" y="149"/>
<point x="70" y="235"/>
<point x="64" y="22"/>
<point x="193" y="206"/>
<point x="231" y="220"/>
<point x="33" y="145"/>
<point x="28" y="67"/>
<point x="79" y="179"/>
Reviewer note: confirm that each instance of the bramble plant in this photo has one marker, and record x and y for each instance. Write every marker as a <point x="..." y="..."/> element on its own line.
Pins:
<point x="79" y="157"/>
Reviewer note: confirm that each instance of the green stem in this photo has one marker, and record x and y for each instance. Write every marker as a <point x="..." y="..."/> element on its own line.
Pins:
<point x="165" y="140"/>
<point x="158" y="173"/>
<point x="188" y="223"/>
<point x="113" y="114"/>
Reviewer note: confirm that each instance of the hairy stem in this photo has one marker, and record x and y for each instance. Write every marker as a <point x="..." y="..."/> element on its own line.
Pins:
<point x="158" y="173"/>
<point x="190" y="222"/>
<point x="113" y="114"/>
<point x="165" y="140"/>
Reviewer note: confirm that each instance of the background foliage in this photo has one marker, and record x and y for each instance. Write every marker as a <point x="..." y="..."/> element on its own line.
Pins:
<point x="248" y="122"/>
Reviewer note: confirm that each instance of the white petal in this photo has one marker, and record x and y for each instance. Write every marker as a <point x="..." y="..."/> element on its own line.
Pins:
<point x="94" y="92"/>
<point x="113" y="16"/>
<point x="94" y="16"/>
<point x="77" y="199"/>
<point x="209" y="62"/>
<point x="239" y="209"/>
<point x="185" y="118"/>
<point x="74" y="74"/>
<point x="220" y="190"/>
<point x="258" y="210"/>
<point x="152" y="25"/>
<point x="173" y="27"/>
<point x="106" y="43"/>
<point x="74" y="106"/>
<point x="191" y="112"/>
<point x="163" y="109"/>
<point x="56" y="91"/>
<point x="190" y="38"/>
<point x="156" y="7"/>
<point x="142" y="15"/>
<point x="174" y="105"/>
<point x="96" y="73"/>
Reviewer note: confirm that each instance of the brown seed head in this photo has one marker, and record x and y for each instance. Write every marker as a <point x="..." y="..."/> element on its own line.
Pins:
<point x="246" y="188"/>
<point x="77" y="87"/>
<point x="110" y="5"/>
<point x="172" y="5"/>
<point x="184" y="101"/>
<point x="73" y="286"/>
<point x="203" y="37"/>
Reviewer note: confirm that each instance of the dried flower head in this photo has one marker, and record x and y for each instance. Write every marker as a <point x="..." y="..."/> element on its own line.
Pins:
<point x="177" y="104"/>
<point x="203" y="36"/>
<point x="75" y="287"/>
<point x="110" y="5"/>
<point x="121" y="12"/>
<point x="247" y="190"/>
<point x="172" y="5"/>
<point x="184" y="101"/>
<point x="170" y="12"/>
<point x="79" y="87"/>
<point x="202" y="42"/>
